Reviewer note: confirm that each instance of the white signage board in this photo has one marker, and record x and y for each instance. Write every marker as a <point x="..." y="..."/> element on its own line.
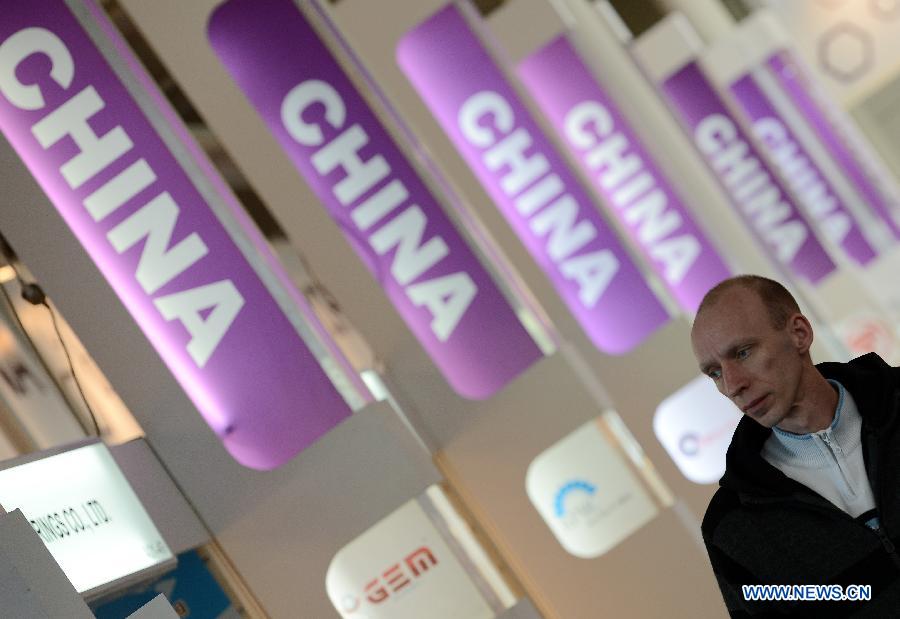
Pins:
<point x="695" y="425"/>
<point x="402" y="568"/>
<point x="586" y="493"/>
<point x="83" y="509"/>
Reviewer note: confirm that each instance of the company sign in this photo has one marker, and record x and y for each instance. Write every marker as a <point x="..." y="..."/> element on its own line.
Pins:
<point x="529" y="182"/>
<point x="402" y="568"/>
<point x="99" y="156"/>
<point x="622" y="172"/>
<point x="695" y="425"/>
<point x="753" y="188"/>
<point x="586" y="494"/>
<point x="83" y="509"/>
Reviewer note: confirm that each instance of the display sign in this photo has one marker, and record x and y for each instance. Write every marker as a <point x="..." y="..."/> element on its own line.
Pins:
<point x="695" y="425"/>
<point x="753" y="188"/>
<point x="836" y="138"/>
<point x="83" y="509"/>
<point x="802" y="176"/>
<point x="529" y="182"/>
<point x="402" y="568"/>
<point x="583" y="489"/>
<point x="98" y="153"/>
<point x="622" y="171"/>
<point x="368" y="186"/>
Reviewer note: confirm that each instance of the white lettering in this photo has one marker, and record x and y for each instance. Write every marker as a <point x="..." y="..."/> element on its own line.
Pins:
<point x="120" y="189"/>
<point x="678" y="254"/>
<point x="750" y="185"/>
<point x="632" y="189"/>
<point x="538" y="192"/>
<point x="559" y="220"/>
<point x="360" y="176"/>
<point x="613" y="161"/>
<point x="803" y="179"/>
<point x="447" y="299"/>
<point x="654" y="222"/>
<point x="71" y="118"/>
<point x="593" y="273"/>
<point x="299" y="99"/>
<point x="587" y="114"/>
<point x="186" y="307"/>
<point x="154" y="222"/>
<point x="20" y="46"/>
<point x="510" y="154"/>
<point x="158" y="264"/>
<point x="405" y="233"/>
<point x="480" y="106"/>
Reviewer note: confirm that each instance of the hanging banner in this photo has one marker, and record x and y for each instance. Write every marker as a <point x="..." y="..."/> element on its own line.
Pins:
<point x="802" y="176"/>
<point x="835" y="136"/>
<point x="98" y="154"/>
<point x="756" y="192"/>
<point x="396" y="226"/>
<point x="623" y="172"/>
<point x="529" y="182"/>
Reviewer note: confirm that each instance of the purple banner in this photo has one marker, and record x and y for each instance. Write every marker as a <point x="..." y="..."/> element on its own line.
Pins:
<point x="802" y="91"/>
<point x="752" y="187"/>
<point x="393" y="222"/>
<point x="157" y="241"/>
<point x="622" y="172"/>
<point x="807" y="183"/>
<point x="528" y="181"/>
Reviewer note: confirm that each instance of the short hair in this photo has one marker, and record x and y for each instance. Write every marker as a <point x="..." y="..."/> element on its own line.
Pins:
<point x="780" y="303"/>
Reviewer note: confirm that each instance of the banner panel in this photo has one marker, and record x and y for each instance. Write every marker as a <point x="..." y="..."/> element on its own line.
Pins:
<point x="529" y="182"/>
<point x="396" y="226"/>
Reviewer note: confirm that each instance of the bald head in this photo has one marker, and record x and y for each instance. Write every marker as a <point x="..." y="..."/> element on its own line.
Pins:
<point x="778" y="302"/>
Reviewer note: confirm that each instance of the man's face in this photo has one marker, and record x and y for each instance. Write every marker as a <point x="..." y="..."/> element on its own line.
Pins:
<point x="752" y="364"/>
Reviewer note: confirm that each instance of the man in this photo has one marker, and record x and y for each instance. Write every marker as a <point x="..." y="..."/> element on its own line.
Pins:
<point x="811" y="492"/>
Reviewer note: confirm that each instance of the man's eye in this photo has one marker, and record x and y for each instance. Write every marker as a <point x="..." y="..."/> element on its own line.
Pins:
<point x="714" y="374"/>
<point x="743" y="353"/>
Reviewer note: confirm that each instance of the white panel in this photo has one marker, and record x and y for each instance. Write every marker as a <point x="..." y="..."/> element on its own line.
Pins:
<point x="402" y="568"/>
<point x="32" y="586"/>
<point x="695" y="425"/>
<point x="82" y="507"/>
<point x="586" y="494"/>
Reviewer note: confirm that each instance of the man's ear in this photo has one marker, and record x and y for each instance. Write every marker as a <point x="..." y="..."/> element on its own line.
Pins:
<point x="801" y="332"/>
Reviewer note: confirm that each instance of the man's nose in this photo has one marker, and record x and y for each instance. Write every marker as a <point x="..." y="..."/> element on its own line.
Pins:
<point x="734" y="380"/>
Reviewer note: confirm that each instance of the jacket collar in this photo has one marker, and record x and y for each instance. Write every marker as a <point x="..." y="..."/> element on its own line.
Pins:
<point x="873" y="384"/>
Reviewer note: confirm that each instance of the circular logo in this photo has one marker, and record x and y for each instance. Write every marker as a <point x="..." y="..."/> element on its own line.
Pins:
<point x="689" y="444"/>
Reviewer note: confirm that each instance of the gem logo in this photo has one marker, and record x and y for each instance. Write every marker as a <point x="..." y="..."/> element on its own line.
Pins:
<point x="587" y="516"/>
<point x="392" y="580"/>
<point x="695" y="425"/>
<point x="402" y="568"/>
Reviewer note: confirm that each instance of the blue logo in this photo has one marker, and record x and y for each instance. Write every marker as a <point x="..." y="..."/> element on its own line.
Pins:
<point x="577" y="486"/>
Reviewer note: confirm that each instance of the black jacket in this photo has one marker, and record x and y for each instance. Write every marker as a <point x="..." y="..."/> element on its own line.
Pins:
<point x="762" y="527"/>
